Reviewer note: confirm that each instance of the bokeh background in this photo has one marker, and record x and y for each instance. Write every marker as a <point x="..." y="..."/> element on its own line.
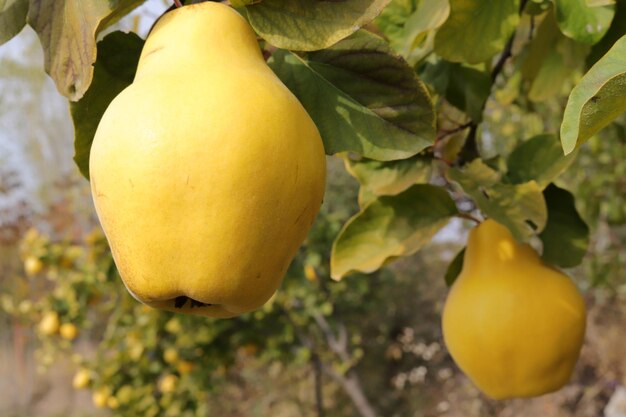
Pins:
<point x="73" y="343"/>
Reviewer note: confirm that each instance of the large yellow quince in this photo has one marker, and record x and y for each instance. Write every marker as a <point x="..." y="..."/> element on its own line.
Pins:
<point x="206" y="172"/>
<point x="513" y="324"/>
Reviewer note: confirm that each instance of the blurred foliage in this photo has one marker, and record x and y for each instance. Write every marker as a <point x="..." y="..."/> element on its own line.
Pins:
<point x="153" y="363"/>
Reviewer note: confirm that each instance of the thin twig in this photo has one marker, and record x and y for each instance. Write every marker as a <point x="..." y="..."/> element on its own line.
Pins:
<point x="506" y="54"/>
<point x="468" y="216"/>
<point x="443" y="133"/>
<point x="470" y="148"/>
<point x="177" y="3"/>
<point x="349" y="381"/>
<point x="316" y="362"/>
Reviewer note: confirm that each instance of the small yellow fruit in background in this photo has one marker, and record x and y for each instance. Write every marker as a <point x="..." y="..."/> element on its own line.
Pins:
<point x="513" y="324"/>
<point x="81" y="380"/>
<point x="49" y="323"/>
<point x="113" y="403"/>
<point x="309" y="273"/>
<point x="184" y="367"/>
<point x="101" y="396"/>
<point x="25" y="306"/>
<point x="173" y="326"/>
<point x="168" y="383"/>
<point x="32" y="265"/>
<point x="124" y="394"/>
<point x="170" y="355"/>
<point x="250" y="349"/>
<point x="68" y="331"/>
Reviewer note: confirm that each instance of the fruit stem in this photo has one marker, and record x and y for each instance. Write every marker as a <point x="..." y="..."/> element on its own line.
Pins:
<point x="177" y="3"/>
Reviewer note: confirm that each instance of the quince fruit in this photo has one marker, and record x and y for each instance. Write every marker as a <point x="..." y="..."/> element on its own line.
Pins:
<point x="33" y="265"/>
<point x="49" y="323"/>
<point x="513" y="324"/>
<point x="81" y="379"/>
<point x="206" y="172"/>
<point x="68" y="331"/>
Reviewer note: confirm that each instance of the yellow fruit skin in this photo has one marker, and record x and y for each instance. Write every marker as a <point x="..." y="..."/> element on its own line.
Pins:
<point x="168" y="383"/>
<point x="206" y="172"/>
<point x="49" y="323"/>
<point x="100" y="397"/>
<point x="68" y="331"/>
<point x="81" y="379"/>
<point x="514" y="325"/>
<point x="33" y="265"/>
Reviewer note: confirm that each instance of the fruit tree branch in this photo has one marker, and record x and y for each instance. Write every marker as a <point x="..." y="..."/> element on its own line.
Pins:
<point x="352" y="386"/>
<point x="470" y="149"/>
<point x="350" y="381"/>
<point x="317" y="372"/>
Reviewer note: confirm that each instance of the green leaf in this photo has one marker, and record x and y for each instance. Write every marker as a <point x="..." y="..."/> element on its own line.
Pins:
<point x="242" y="3"/>
<point x="306" y="25"/>
<point x="392" y="19"/>
<point x="455" y="268"/>
<point x="389" y="227"/>
<point x="545" y="68"/>
<point x="540" y="158"/>
<point x="476" y="29"/>
<point x="520" y="207"/>
<point x="420" y="29"/>
<point x="597" y="99"/>
<point x="366" y="196"/>
<point x="566" y="236"/>
<point x="118" y="55"/>
<point x="549" y="80"/>
<point x="582" y="21"/>
<point x="67" y="30"/>
<point x="616" y="31"/>
<point x="390" y="177"/>
<point x="362" y="97"/>
<point x="12" y="18"/>
<point x="410" y="27"/>
<point x="464" y="87"/>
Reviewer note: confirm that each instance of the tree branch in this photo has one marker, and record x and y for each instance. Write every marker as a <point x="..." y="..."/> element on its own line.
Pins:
<point x="470" y="148"/>
<point x="350" y="381"/>
<point x="338" y="345"/>
<point x="317" y="372"/>
<point x="506" y="54"/>
<point x="351" y="384"/>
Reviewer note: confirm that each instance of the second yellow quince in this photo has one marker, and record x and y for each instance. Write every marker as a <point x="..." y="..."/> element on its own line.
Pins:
<point x="513" y="324"/>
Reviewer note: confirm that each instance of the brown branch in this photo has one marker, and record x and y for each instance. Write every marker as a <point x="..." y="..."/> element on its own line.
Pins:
<point x="443" y="133"/>
<point x="339" y="345"/>
<point x="470" y="148"/>
<point x="506" y="54"/>
<point x="317" y="375"/>
<point x="350" y="382"/>
<point x="468" y="216"/>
